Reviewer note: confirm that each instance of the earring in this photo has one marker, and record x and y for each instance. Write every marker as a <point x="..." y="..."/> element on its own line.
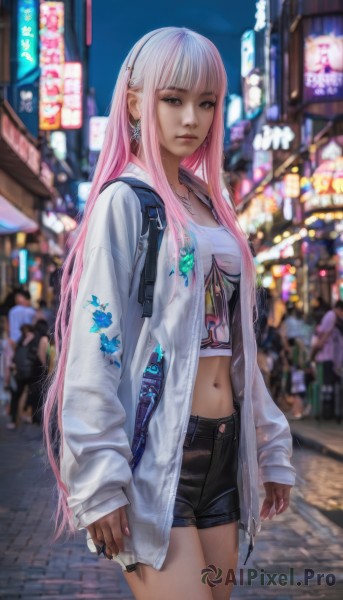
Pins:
<point x="206" y="142"/>
<point x="136" y="132"/>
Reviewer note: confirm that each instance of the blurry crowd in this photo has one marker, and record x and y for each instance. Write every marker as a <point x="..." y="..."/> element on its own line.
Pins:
<point x="27" y="357"/>
<point x="301" y="358"/>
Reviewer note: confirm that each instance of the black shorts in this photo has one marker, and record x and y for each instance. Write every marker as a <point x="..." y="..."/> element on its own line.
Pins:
<point x="207" y="493"/>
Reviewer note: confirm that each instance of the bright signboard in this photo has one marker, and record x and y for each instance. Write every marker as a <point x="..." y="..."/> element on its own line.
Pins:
<point x="27" y="41"/>
<point x="97" y="130"/>
<point x="51" y="64"/>
<point x="72" y="96"/>
<point x="247" y="52"/>
<point x="323" y="59"/>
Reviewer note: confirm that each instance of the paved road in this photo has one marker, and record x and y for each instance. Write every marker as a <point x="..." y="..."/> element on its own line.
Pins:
<point x="303" y="537"/>
<point x="32" y="567"/>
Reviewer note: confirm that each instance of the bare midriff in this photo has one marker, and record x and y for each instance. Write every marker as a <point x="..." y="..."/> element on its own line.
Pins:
<point x="212" y="395"/>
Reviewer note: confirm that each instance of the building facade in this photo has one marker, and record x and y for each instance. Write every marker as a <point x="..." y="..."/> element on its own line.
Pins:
<point x="285" y="157"/>
<point x="43" y="102"/>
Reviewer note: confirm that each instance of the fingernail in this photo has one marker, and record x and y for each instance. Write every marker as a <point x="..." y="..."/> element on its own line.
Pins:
<point x="127" y="531"/>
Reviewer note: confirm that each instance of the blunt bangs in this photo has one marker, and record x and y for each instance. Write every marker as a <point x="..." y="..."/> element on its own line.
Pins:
<point x="191" y="64"/>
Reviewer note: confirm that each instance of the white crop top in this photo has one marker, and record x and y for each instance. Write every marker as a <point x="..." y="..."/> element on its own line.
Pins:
<point x="221" y="258"/>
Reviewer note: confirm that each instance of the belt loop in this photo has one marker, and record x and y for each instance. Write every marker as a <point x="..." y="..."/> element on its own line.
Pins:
<point x="194" y="430"/>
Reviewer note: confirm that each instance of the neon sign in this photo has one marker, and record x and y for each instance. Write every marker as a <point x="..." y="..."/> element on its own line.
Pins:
<point x="274" y="138"/>
<point x="292" y="185"/>
<point x="253" y="94"/>
<point x="247" y="53"/>
<point x="97" y="130"/>
<point x="260" y="15"/>
<point x="323" y="58"/>
<point x="23" y="265"/>
<point x="51" y="64"/>
<point x="72" y="96"/>
<point x="27" y="37"/>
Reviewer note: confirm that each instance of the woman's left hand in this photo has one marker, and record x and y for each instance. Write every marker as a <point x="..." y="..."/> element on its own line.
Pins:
<point x="276" y="500"/>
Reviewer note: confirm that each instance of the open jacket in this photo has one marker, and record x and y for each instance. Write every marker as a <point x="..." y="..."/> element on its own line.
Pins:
<point x="109" y="350"/>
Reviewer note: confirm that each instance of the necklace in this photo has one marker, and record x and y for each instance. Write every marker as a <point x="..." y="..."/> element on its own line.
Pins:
<point x="185" y="200"/>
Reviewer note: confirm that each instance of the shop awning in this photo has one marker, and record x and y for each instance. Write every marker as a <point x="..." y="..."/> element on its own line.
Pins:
<point x="13" y="220"/>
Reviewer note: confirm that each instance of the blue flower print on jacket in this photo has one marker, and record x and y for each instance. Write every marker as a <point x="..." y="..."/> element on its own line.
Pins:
<point x="102" y="320"/>
<point x="109" y="346"/>
<point x="96" y="302"/>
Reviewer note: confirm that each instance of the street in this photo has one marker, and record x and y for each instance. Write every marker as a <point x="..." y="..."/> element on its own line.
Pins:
<point x="34" y="567"/>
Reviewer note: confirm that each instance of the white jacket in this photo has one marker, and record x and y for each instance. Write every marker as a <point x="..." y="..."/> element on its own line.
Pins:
<point x="103" y="377"/>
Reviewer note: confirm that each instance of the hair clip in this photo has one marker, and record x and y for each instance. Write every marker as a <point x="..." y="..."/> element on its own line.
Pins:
<point x="139" y="50"/>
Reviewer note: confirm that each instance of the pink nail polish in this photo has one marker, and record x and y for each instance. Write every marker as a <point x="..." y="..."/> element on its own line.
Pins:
<point x="127" y="531"/>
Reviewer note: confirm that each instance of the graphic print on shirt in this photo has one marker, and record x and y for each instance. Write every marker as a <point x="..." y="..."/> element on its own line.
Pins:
<point x="221" y="293"/>
<point x="102" y="320"/>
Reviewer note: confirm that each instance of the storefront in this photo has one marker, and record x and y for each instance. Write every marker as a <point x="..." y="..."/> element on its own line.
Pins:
<point x="322" y="205"/>
<point x="25" y="184"/>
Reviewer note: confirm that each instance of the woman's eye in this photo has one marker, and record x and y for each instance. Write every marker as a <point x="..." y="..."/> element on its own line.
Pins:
<point x="171" y="100"/>
<point x="208" y="104"/>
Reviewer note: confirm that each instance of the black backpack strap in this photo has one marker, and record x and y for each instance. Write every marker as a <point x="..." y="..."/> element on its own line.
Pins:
<point x="154" y="220"/>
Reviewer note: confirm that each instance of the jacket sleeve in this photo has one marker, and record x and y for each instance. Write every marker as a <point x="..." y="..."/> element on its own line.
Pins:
<point x="273" y="436"/>
<point x="95" y="447"/>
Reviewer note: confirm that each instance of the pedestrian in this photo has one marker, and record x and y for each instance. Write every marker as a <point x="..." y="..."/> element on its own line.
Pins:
<point x="297" y="361"/>
<point x="44" y="313"/>
<point x="21" y="314"/>
<point x="6" y="355"/>
<point x="8" y="302"/>
<point x="319" y="307"/>
<point x="164" y="494"/>
<point x="271" y="360"/>
<point x="327" y="351"/>
<point x="39" y="373"/>
<point x="293" y="325"/>
<point x="23" y="363"/>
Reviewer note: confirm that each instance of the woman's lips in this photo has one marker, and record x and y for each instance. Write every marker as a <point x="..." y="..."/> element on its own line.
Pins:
<point x="188" y="137"/>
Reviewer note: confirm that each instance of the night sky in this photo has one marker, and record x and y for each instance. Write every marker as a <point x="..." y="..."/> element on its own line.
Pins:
<point x="117" y="25"/>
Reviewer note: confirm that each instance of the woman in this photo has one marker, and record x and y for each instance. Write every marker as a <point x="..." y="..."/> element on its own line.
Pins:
<point x="179" y="508"/>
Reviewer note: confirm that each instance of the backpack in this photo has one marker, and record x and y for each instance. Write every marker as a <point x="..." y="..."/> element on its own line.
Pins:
<point x="154" y="220"/>
<point x="25" y="360"/>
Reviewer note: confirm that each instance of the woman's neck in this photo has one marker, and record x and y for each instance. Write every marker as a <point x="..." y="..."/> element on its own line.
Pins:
<point x="171" y="166"/>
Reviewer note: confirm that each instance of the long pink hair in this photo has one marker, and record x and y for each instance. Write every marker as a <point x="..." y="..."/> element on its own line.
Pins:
<point x="164" y="58"/>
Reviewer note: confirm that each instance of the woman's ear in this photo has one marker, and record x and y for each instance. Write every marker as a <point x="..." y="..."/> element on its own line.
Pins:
<point x="134" y="104"/>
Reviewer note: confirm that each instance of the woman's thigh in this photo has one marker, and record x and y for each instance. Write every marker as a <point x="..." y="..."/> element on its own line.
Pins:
<point x="220" y="548"/>
<point x="180" y="577"/>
